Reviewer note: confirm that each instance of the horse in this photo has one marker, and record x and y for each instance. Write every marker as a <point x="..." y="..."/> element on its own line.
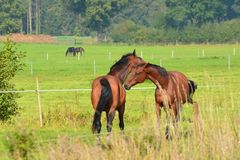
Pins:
<point x="70" y="50"/>
<point x="173" y="89"/>
<point x="108" y="93"/>
<point x="79" y="50"/>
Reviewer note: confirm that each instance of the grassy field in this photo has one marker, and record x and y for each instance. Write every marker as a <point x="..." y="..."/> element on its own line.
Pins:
<point x="67" y="116"/>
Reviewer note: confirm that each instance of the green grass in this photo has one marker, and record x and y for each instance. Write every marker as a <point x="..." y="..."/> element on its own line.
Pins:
<point x="70" y="113"/>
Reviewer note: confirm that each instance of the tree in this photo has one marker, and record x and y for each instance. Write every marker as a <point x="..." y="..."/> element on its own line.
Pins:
<point x="29" y="19"/>
<point x="9" y="65"/>
<point x="57" y="19"/>
<point x="184" y="12"/>
<point x="11" y="13"/>
<point x="142" y="12"/>
<point x="97" y="13"/>
<point x="124" y="31"/>
<point x="37" y="13"/>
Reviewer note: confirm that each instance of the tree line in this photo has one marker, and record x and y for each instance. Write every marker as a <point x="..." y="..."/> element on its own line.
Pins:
<point x="128" y="21"/>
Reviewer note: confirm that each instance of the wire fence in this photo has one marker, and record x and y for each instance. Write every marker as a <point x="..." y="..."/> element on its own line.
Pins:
<point x="88" y="89"/>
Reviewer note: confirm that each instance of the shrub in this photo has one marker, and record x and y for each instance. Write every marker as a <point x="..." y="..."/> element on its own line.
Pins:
<point x="9" y="65"/>
<point x="21" y="144"/>
<point x="124" y="31"/>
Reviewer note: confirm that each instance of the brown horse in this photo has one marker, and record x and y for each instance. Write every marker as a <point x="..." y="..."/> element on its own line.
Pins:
<point x="173" y="89"/>
<point x="108" y="93"/>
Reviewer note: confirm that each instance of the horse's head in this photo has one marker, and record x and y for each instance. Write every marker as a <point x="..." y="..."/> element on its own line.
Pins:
<point x="133" y="61"/>
<point x="124" y="66"/>
<point x="137" y="75"/>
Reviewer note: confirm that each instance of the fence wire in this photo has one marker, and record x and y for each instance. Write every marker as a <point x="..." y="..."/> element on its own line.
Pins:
<point x="88" y="89"/>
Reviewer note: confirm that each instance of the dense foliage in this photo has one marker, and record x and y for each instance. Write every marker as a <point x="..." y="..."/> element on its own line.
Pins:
<point x="9" y="64"/>
<point x="129" y="21"/>
<point x="21" y="143"/>
<point x="11" y="13"/>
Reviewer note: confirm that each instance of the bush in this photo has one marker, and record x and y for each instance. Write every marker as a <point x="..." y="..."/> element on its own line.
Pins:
<point x="9" y="65"/>
<point x="124" y="32"/>
<point x="129" y="32"/>
<point x="21" y="144"/>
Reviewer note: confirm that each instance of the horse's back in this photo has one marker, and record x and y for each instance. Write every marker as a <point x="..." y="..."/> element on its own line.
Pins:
<point x="178" y="86"/>
<point x="118" y="92"/>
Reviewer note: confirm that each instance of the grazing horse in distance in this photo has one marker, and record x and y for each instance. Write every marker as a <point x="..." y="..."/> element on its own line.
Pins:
<point x="108" y="93"/>
<point x="79" y="50"/>
<point x="75" y="51"/>
<point x="70" y="50"/>
<point x="173" y="90"/>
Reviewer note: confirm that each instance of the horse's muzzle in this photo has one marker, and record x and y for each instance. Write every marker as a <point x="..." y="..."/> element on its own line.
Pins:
<point x="127" y="87"/>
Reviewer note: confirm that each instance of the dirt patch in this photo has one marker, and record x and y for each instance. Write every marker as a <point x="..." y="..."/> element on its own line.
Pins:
<point x="31" y="38"/>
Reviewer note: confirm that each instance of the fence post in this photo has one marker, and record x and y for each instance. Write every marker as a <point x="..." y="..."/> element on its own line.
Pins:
<point x="229" y="62"/>
<point x="172" y="54"/>
<point x="31" y="68"/>
<point x="39" y="102"/>
<point x="234" y="51"/>
<point x="160" y="63"/>
<point x="109" y="56"/>
<point x="47" y="56"/>
<point x="94" y="68"/>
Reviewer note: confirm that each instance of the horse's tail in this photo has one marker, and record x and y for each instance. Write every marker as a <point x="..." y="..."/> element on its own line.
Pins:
<point x="104" y="100"/>
<point x="192" y="88"/>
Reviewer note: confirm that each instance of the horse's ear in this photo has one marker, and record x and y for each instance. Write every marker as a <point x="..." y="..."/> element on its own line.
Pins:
<point x="134" y="52"/>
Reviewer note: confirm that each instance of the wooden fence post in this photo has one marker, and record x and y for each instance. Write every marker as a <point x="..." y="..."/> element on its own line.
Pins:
<point x="39" y="102"/>
<point x="229" y="62"/>
<point x="109" y="56"/>
<point x="31" y="68"/>
<point x="94" y="68"/>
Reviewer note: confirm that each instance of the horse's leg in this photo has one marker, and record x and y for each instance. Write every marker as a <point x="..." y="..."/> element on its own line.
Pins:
<point x="96" y="126"/>
<point x="121" y="113"/>
<point x="176" y="116"/>
<point x="158" y="113"/>
<point x="111" y="115"/>
<point x="168" y="116"/>
<point x="107" y="118"/>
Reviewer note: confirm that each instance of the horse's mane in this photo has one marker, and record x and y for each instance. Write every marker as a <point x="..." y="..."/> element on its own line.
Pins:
<point x="122" y="62"/>
<point x="162" y="71"/>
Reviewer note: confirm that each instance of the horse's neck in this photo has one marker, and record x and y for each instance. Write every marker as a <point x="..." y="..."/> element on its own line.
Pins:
<point x="121" y="74"/>
<point x="154" y="76"/>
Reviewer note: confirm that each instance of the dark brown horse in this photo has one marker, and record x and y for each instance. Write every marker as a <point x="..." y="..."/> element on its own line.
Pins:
<point x="79" y="50"/>
<point x="173" y="89"/>
<point x="108" y="93"/>
<point x="70" y="50"/>
<point x="75" y="51"/>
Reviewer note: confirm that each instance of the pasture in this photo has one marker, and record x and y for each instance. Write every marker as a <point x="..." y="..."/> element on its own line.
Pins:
<point x="215" y="68"/>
